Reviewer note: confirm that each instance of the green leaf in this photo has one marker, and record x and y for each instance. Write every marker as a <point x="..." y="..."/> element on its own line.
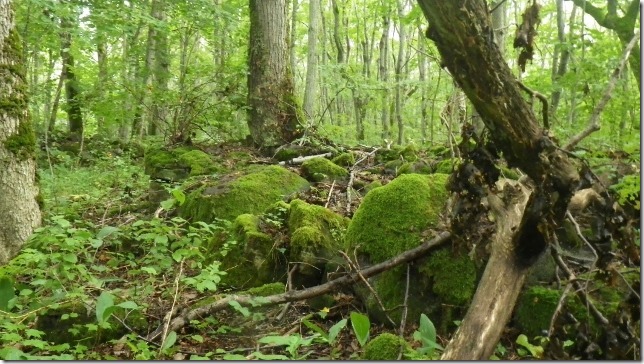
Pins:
<point x="104" y="306"/>
<point x="168" y="204"/>
<point x="243" y="310"/>
<point x="169" y="340"/>
<point x="128" y="305"/>
<point x="179" y="196"/>
<point x="234" y="357"/>
<point x="197" y="338"/>
<point x="315" y="328"/>
<point x="361" y="326"/>
<point x="335" y="330"/>
<point x="7" y="293"/>
<point x="427" y="334"/>
<point x="106" y="231"/>
<point x="276" y="340"/>
<point x="149" y="270"/>
<point x="535" y="351"/>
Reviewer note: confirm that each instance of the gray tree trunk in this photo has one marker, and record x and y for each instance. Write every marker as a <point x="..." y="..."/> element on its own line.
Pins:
<point x="310" y="90"/>
<point x="273" y="114"/>
<point x="19" y="211"/>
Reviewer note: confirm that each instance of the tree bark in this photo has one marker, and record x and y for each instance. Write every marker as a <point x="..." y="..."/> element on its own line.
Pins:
<point x="463" y="35"/>
<point x="72" y="87"/>
<point x="310" y="90"/>
<point x="273" y="115"/>
<point x="19" y="211"/>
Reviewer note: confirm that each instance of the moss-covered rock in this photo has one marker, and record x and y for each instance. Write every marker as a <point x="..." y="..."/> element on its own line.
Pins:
<point x="251" y="193"/>
<point x="391" y="220"/>
<point x="409" y="154"/>
<point x="385" y="346"/>
<point x="320" y="169"/>
<point x="344" y="159"/>
<point x="249" y="258"/>
<point x="445" y="166"/>
<point x="535" y="309"/>
<point x="371" y="186"/>
<point x="315" y="239"/>
<point x="454" y="277"/>
<point x="178" y="164"/>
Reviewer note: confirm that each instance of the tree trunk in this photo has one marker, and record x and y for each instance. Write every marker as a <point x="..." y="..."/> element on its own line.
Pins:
<point x="422" y="77"/>
<point x="383" y="74"/>
<point x="273" y="114"/>
<point x="160" y="72"/>
<point x="72" y="87"/>
<point x="310" y="90"/>
<point x="402" y="39"/>
<point x="19" y="211"/>
<point x="560" y="66"/>
<point x="462" y="33"/>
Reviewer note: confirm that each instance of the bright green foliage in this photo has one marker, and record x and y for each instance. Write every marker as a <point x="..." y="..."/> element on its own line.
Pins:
<point x="320" y="169"/>
<point x="391" y="219"/>
<point x="385" y="346"/>
<point x="361" y="325"/>
<point x="454" y="277"/>
<point x="628" y="190"/>
<point x="315" y="236"/>
<point x="408" y="153"/>
<point x="251" y="193"/>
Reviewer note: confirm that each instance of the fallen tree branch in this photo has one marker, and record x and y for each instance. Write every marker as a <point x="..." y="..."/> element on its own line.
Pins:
<point x="298" y="295"/>
<point x="300" y="160"/>
<point x="593" y="124"/>
<point x="544" y="103"/>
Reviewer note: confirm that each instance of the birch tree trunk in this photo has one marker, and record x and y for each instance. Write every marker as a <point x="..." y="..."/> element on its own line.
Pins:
<point x="19" y="211"/>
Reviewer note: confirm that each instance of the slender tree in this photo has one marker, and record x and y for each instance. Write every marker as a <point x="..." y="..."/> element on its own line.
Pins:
<point x="19" y="211"/>
<point x="310" y="90"/>
<point x="274" y="111"/>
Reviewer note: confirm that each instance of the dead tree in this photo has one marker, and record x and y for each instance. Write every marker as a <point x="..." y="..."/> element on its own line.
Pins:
<point x="462" y="32"/>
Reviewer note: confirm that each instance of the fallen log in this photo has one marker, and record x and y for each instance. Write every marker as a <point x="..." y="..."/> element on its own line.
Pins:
<point x="298" y="295"/>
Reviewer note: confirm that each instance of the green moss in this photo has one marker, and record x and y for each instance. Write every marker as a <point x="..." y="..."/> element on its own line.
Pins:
<point x="315" y="238"/>
<point x="392" y="167"/>
<point x="266" y="290"/>
<point x="409" y="153"/>
<point x="391" y="218"/>
<point x="252" y="193"/>
<point x="509" y="173"/>
<point x="372" y="185"/>
<point x="386" y="155"/>
<point x="249" y="257"/>
<point x="535" y="309"/>
<point x="454" y="277"/>
<point x="445" y="166"/>
<point x="319" y="169"/>
<point x="179" y="163"/>
<point x="23" y="142"/>
<point x="385" y="346"/>
<point x="344" y="159"/>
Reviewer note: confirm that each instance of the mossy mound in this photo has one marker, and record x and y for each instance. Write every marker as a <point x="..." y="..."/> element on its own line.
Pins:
<point x="266" y="290"/>
<point x="454" y="277"/>
<point x="535" y="309"/>
<point x="178" y="164"/>
<point x="344" y="159"/>
<point x="408" y="153"/>
<point x="385" y="346"/>
<point x="315" y="239"/>
<point x="249" y="258"/>
<point x="445" y="166"/>
<point x="321" y="169"/>
<point x="391" y="220"/>
<point x="251" y="193"/>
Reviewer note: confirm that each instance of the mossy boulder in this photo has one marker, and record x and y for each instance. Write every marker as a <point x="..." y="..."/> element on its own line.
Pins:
<point x="175" y="165"/>
<point x="385" y="346"/>
<point x="249" y="257"/>
<point x="315" y="234"/>
<point x="344" y="159"/>
<point x="391" y="220"/>
<point x="445" y="166"/>
<point x="251" y="193"/>
<point x="408" y="153"/>
<point x="321" y="169"/>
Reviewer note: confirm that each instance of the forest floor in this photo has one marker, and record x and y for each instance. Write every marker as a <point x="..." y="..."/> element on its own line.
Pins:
<point x="118" y="199"/>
